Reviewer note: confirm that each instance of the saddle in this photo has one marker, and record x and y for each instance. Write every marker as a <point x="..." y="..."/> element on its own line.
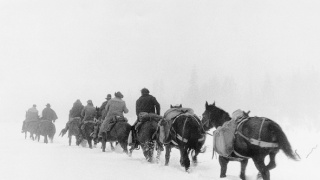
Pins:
<point x="144" y="117"/>
<point x="114" y="121"/>
<point x="224" y="136"/>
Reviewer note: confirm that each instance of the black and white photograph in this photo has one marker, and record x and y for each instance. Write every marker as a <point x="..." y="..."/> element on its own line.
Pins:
<point x="159" y="89"/>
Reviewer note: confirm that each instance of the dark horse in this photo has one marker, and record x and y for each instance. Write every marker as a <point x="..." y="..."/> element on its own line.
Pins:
<point x="47" y="129"/>
<point x="255" y="137"/>
<point x="119" y="133"/>
<point x="31" y="127"/>
<point x="86" y="129"/>
<point x="146" y="136"/>
<point x="73" y="129"/>
<point x="186" y="134"/>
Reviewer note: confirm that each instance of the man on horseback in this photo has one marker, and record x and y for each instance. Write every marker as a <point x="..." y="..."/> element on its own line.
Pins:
<point x="103" y="107"/>
<point x="114" y="108"/>
<point x="102" y="112"/>
<point x="31" y="115"/>
<point x="75" y="112"/>
<point x="145" y="104"/>
<point x="88" y="113"/>
<point x="49" y="114"/>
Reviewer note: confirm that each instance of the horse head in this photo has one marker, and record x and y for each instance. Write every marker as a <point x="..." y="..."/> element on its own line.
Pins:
<point x="213" y="116"/>
<point x="98" y="113"/>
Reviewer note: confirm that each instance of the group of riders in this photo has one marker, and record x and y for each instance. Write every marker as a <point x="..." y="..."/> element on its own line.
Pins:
<point x="111" y="108"/>
<point x="32" y="115"/>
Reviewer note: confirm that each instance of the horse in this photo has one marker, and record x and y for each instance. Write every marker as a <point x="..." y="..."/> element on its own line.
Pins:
<point x="147" y="137"/>
<point x="73" y="129"/>
<point x="85" y="132"/>
<point x="119" y="133"/>
<point x="255" y="137"/>
<point x="185" y="133"/>
<point x="47" y="129"/>
<point x="97" y="125"/>
<point x="31" y="127"/>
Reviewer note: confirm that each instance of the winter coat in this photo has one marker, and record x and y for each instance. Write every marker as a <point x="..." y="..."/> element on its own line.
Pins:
<point x="49" y="114"/>
<point x="103" y="109"/>
<point x="89" y="112"/>
<point x="116" y="107"/>
<point x="147" y="103"/>
<point x="32" y="114"/>
<point x="76" y="110"/>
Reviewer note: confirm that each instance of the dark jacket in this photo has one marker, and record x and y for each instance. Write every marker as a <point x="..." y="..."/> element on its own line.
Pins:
<point x="147" y="103"/>
<point x="88" y="112"/>
<point x="76" y="110"/>
<point x="49" y="114"/>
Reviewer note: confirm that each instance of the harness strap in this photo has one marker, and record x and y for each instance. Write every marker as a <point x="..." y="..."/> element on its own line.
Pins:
<point x="241" y="156"/>
<point x="256" y="142"/>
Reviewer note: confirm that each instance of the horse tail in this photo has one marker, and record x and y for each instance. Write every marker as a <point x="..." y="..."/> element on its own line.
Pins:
<point x="283" y="141"/>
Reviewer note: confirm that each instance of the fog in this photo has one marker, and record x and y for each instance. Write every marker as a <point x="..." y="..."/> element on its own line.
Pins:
<point x="261" y="56"/>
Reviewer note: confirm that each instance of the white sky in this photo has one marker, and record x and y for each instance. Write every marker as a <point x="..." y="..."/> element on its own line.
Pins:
<point x="59" y="51"/>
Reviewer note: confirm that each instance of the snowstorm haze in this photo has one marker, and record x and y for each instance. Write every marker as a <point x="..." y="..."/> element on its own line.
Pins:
<point x="261" y="56"/>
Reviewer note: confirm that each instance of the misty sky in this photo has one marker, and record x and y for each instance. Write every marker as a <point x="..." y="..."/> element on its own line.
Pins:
<point x="261" y="56"/>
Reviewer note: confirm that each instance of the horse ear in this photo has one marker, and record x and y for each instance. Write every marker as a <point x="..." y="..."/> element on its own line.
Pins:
<point x="214" y="103"/>
<point x="207" y="105"/>
<point x="180" y="105"/>
<point x="171" y="106"/>
<point x="248" y="113"/>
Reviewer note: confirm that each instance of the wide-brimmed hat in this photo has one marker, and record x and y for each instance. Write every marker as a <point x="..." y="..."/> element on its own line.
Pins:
<point x="108" y="96"/>
<point x="118" y="94"/>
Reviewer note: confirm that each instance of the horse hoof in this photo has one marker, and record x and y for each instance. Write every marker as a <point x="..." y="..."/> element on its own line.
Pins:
<point x="223" y="176"/>
<point x="242" y="177"/>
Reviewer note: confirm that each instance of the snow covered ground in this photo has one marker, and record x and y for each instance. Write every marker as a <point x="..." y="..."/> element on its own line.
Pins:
<point x="27" y="159"/>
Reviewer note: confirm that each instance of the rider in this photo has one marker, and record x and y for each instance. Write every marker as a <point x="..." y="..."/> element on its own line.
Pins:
<point x="115" y="107"/>
<point x="88" y="113"/>
<point x="148" y="104"/>
<point x="31" y="115"/>
<point x="49" y="114"/>
<point x="103" y="114"/>
<point x="102" y="108"/>
<point x="75" y="112"/>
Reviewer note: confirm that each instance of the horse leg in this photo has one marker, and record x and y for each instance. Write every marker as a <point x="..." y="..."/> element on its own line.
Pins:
<point x="103" y="142"/>
<point x="70" y="139"/>
<point x="244" y="164"/>
<point x="184" y="160"/>
<point x="124" y="147"/>
<point x="150" y="150"/>
<point x="264" y="171"/>
<point x="223" y="164"/>
<point x="158" y="153"/>
<point x="25" y="135"/>
<point x="111" y="145"/>
<point x="90" y="142"/>
<point x="167" y="156"/>
<point x="272" y="163"/>
<point x="46" y="139"/>
<point x="195" y="157"/>
<point x="130" y="150"/>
